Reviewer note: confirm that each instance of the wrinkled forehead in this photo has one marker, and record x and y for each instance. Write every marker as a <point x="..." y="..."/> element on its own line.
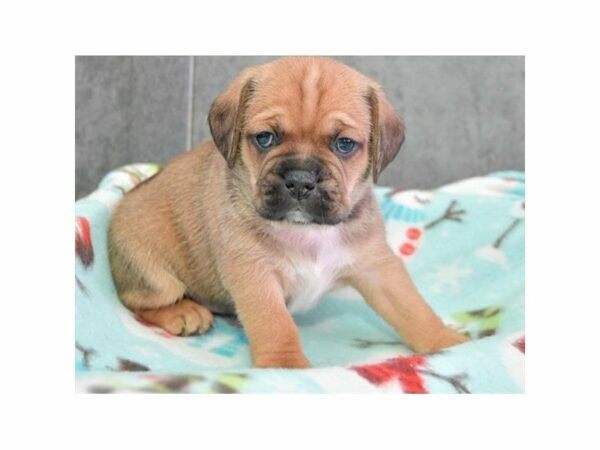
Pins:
<point x="310" y="100"/>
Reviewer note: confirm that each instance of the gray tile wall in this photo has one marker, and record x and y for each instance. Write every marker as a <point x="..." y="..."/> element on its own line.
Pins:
<point x="464" y="115"/>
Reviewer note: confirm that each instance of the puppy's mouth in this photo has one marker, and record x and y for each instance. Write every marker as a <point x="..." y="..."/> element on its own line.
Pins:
<point x="297" y="216"/>
<point x="299" y="192"/>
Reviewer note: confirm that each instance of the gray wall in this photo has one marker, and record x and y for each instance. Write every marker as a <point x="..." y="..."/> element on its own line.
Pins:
<point x="464" y="114"/>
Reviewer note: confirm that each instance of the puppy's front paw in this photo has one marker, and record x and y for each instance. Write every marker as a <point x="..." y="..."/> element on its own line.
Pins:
<point x="447" y="338"/>
<point x="282" y="361"/>
<point x="184" y="318"/>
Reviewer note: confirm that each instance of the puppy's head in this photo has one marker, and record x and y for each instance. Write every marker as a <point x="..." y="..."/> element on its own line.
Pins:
<point x="307" y="136"/>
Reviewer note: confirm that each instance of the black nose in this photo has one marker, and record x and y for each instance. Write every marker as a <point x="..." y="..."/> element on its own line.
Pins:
<point x="300" y="183"/>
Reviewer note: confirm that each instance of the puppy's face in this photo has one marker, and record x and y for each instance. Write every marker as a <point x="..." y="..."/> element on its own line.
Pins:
<point x="309" y="135"/>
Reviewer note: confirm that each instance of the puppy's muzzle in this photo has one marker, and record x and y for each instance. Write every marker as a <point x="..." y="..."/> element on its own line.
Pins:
<point x="300" y="184"/>
<point x="299" y="191"/>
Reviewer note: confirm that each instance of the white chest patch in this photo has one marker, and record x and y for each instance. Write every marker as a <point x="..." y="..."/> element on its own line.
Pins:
<point x="317" y="257"/>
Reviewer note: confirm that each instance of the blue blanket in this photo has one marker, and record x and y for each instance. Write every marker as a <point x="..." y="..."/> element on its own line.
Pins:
<point x="463" y="244"/>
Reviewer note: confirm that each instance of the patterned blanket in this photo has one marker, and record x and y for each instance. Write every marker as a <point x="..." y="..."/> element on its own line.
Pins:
<point x="463" y="243"/>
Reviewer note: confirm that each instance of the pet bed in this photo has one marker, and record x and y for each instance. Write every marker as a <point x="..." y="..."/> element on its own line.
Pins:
<point x="463" y="243"/>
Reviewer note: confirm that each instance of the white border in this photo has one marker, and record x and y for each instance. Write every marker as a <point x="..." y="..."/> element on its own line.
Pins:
<point x="40" y="40"/>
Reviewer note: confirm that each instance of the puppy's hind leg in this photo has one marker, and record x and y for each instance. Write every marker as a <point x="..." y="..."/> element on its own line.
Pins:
<point x="162" y="303"/>
<point x="183" y="318"/>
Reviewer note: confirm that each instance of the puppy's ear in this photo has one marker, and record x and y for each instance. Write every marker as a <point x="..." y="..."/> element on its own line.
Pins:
<point x="387" y="131"/>
<point x="227" y="114"/>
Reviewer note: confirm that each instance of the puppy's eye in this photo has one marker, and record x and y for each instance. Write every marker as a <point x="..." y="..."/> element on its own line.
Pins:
<point x="265" y="140"/>
<point x="344" y="146"/>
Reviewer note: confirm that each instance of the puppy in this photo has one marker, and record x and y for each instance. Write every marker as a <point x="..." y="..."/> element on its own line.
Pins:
<point x="273" y="213"/>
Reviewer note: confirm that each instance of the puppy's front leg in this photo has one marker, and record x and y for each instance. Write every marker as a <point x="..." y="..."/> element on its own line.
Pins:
<point x="389" y="290"/>
<point x="272" y="333"/>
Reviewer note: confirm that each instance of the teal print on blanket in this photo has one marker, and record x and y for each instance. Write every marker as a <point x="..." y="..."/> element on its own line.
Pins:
<point x="234" y="340"/>
<point x="395" y="211"/>
<point x="487" y="244"/>
<point x="232" y="346"/>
